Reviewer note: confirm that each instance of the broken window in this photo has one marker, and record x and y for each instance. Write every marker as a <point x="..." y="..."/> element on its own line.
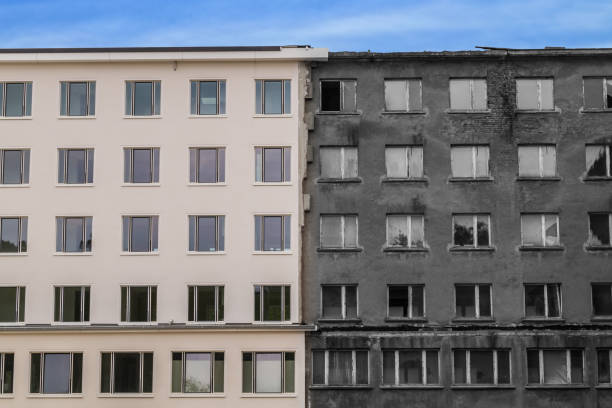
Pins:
<point x="405" y="231"/>
<point x="598" y="161"/>
<point x="600" y="229"/>
<point x="534" y="94"/>
<point x="597" y="93"/>
<point x="338" y="95"/>
<point x="540" y="230"/>
<point x="602" y="299"/>
<point x="403" y="95"/>
<point x="473" y="301"/>
<point x="406" y="301"/>
<point x="543" y="300"/>
<point x="604" y="362"/>
<point x="404" y="161"/>
<point x="410" y="367"/>
<point x="471" y="230"/>
<point x="476" y="367"/>
<point x="537" y="161"/>
<point x="468" y="94"/>
<point x="339" y="302"/>
<point x="470" y="161"/>
<point x="340" y="367"/>
<point x="338" y="162"/>
<point x="338" y="231"/>
<point x="557" y="366"/>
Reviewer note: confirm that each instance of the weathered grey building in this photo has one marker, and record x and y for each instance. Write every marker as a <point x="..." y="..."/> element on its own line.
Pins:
<point x="457" y="248"/>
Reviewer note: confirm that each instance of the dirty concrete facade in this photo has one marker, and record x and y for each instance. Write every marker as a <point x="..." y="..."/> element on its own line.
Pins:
<point x="506" y="267"/>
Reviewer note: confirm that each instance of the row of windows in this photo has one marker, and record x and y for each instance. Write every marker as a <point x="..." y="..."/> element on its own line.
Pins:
<point x="141" y="165"/>
<point x="132" y="372"/>
<point x="472" y="301"/>
<point x="272" y="303"/>
<point x="143" y="98"/>
<point x="466" y="94"/>
<point x="469" y="162"/>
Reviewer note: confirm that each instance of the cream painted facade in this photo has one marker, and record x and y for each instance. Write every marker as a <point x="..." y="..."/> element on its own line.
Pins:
<point x="173" y="199"/>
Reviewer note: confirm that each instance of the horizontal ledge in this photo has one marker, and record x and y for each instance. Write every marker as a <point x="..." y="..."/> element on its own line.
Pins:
<point x="558" y="248"/>
<point x="158" y="327"/>
<point x="16" y="117"/>
<point x="527" y="178"/>
<point x="340" y="250"/>
<point x="597" y="178"/>
<point x="339" y="320"/>
<point x="468" y="111"/>
<point x="405" y="320"/>
<point x="470" y="179"/>
<point x="402" y="249"/>
<point x="324" y="113"/>
<point x="535" y="111"/>
<point x="473" y="320"/>
<point x="404" y="180"/>
<point x="269" y="395"/>
<point x="142" y="117"/>
<point x="598" y="248"/>
<point x="543" y="320"/>
<point x="471" y="249"/>
<point x="24" y="185"/>
<point x="556" y="387"/>
<point x="601" y="319"/>
<point x="74" y="185"/>
<point x="75" y="117"/>
<point x="483" y="387"/>
<point x="415" y="112"/>
<point x="340" y="387"/>
<point x="220" y="116"/>
<point x="339" y="181"/>
<point x="197" y="395"/>
<point x="587" y="110"/>
<point x="412" y="387"/>
<point x="272" y="116"/>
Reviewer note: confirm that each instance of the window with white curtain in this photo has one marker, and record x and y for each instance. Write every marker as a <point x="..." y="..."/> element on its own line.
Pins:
<point x="468" y="94"/>
<point x="338" y="231"/>
<point x="404" y="161"/>
<point x="338" y="162"/>
<point x="410" y="367"/>
<point x="470" y="162"/>
<point x="537" y="161"/>
<point x="540" y="230"/>
<point x="598" y="161"/>
<point x="534" y="94"/>
<point x="340" y="367"/>
<point x="555" y="366"/>
<point x="403" y="95"/>
<point x="405" y="231"/>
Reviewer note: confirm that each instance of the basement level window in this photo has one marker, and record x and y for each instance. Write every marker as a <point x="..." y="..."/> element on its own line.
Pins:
<point x="602" y="299"/>
<point x="7" y="367"/>
<point x="604" y="363"/>
<point x="197" y="372"/>
<point x="268" y="373"/>
<point x="468" y="94"/>
<point x="406" y="301"/>
<point x="600" y="229"/>
<point x="339" y="302"/>
<point x="12" y="304"/>
<point x="14" y="166"/>
<point x="340" y="367"/>
<point x="75" y="166"/>
<point x="473" y="301"/>
<point x="404" y="162"/>
<point x="537" y="161"/>
<point x="338" y="95"/>
<point x="597" y="93"/>
<point x="543" y="300"/>
<point x="540" y="230"/>
<point x="598" y="163"/>
<point x="126" y="373"/>
<point x="470" y="162"/>
<point x="481" y="367"/>
<point x="555" y="366"/>
<point x="403" y="95"/>
<point x="534" y="94"/>
<point x="77" y="98"/>
<point x="15" y="99"/>
<point x="56" y="373"/>
<point x="472" y="230"/>
<point x="411" y="367"/>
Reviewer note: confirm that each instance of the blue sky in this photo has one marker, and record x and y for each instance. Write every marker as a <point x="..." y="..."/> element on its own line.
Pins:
<point x="356" y="25"/>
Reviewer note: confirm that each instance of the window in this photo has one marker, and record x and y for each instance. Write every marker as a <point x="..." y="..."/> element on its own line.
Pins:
<point x="602" y="299"/>
<point x="207" y="165"/>
<point x="339" y="302"/>
<point x="13" y="234"/>
<point x="15" y="99"/>
<point x="141" y="165"/>
<point x="268" y="372"/>
<point x="597" y="93"/>
<point x="142" y="98"/>
<point x="77" y="98"/>
<point x="73" y="234"/>
<point x="472" y="230"/>
<point x="406" y="301"/>
<point x="468" y="94"/>
<point x="598" y="161"/>
<point x="338" y="162"/>
<point x="126" y="373"/>
<point x="338" y="95"/>
<point x="403" y="95"/>
<point x="206" y="233"/>
<point x="340" y="367"/>
<point x="405" y="231"/>
<point x="339" y="231"/>
<point x="56" y="373"/>
<point x="7" y="366"/>
<point x="206" y="303"/>
<point x="75" y="166"/>
<point x="473" y="301"/>
<point x="470" y="162"/>
<point x="537" y="161"/>
<point x="140" y="233"/>
<point x="272" y="97"/>
<point x="600" y="229"/>
<point x="534" y="94"/>
<point x="404" y="161"/>
<point x="543" y="300"/>
<point x="272" y="164"/>
<point x="604" y="359"/>
<point x="71" y="304"/>
<point x="491" y="367"/>
<point x="198" y="372"/>
<point x="272" y="303"/>
<point x="560" y="366"/>
<point x="272" y="233"/>
<point x="410" y="367"/>
<point x="207" y="97"/>
<point x="138" y="303"/>
<point x="14" y="166"/>
<point x="12" y="304"/>
<point x="540" y="230"/>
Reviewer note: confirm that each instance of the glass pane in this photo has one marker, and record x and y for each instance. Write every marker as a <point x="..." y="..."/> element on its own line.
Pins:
<point x="396" y="95"/>
<point x="219" y="372"/>
<point x="479" y="96"/>
<point x="197" y="372"/>
<point x="273" y="165"/>
<point x="503" y="367"/>
<point x="463" y="233"/>
<point x="141" y="233"/>
<point x="268" y="372"/>
<point x="208" y="98"/>
<point x="350" y="162"/>
<point x="72" y="304"/>
<point x="596" y="161"/>
<point x="155" y="165"/>
<point x="287" y="96"/>
<point x="86" y="304"/>
<point x="481" y="367"/>
<point x="459" y="364"/>
<point x="8" y="370"/>
<point x="127" y="372"/>
<point x="143" y="98"/>
<point x="549" y="161"/>
<point x="529" y="161"/>
<point x="351" y="302"/>
<point x="221" y="232"/>
<point x="349" y="91"/>
<point x="157" y="93"/>
<point x="396" y="161"/>
<point x="554" y="300"/>
<point x="222" y="99"/>
<point x="206" y="303"/>
<point x="602" y="300"/>
<point x="141" y="166"/>
<point x="56" y="376"/>
<point x="534" y="301"/>
<point x="410" y="367"/>
<point x="11" y="167"/>
<point x="273" y="97"/>
<point x="593" y="95"/>
<point x="8" y="304"/>
<point x="460" y="95"/>
<point x="139" y="304"/>
<point x="105" y="373"/>
<point x="331" y="231"/>
<point x="273" y="229"/>
<point x="330" y="96"/>
<point x="482" y="233"/>
<point x="415" y="162"/>
<point x="26" y="166"/>
<point x="9" y="235"/>
<point x="603" y="366"/>
<point x="340" y="368"/>
<point x="546" y="91"/>
<point x="332" y="302"/>
<point x="77" y="373"/>
<point x="14" y="100"/>
<point x="527" y="94"/>
<point x="555" y="367"/>
<point x="576" y="364"/>
<point x="551" y="226"/>
<point x="90" y="165"/>
<point x="482" y="161"/>
<point x="318" y="367"/>
<point x="461" y="161"/>
<point x="128" y="97"/>
<point x="465" y="303"/>
<point x="599" y="228"/>
<point x="350" y="231"/>
<point x="258" y="97"/>
<point x="193" y="163"/>
<point x="418" y="301"/>
<point x="73" y="235"/>
<point x="414" y="94"/>
<point x="78" y="99"/>
<point x="531" y="230"/>
<point x="388" y="367"/>
<point x="207" y="170"/>
<point x="331" y="163"/>
<point x="177" y="372"/>
<point x="432" y="367"/>
<point x="484" y="300"/>
<point x="289" y="372"/>
<point x="417" y="232"/>
<point x="398" y="301"/>
<point x="75" y="166"/>
<point x="397" y="230"/>
<point x="362" y="367"/>
<point x="287" y="164"/>
<point x="35" y="373"/>
<point x="608" y="93"/>
<point x="259" y="164"/>
<point x="533" y="367"/>
<point x="247" y="372"/>
<point x="92" y="98"/>
<point x="207" y="234"/>
<point x="287" y="304"/>
<point x="272" y="303"/>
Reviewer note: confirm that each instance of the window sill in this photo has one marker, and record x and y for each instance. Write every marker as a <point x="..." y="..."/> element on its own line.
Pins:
<point x="597" y="178"/>
<point x="13" y="254"/>
<point x="139" y="253"/>
<point x="341" y="387"/>
<point x="280" y="183"/>
<point x="15" y="117"/>
<point x="271" y="322"/>
<point x="74" y="185"/>
<point x="71" y="324"/>
<point x="405" y="320"/>
<point x="76" y="117"/>
<point x="221" y="116"/>
<point x="473" y="320"/>
<point x="7" y="396"/>
<point x="404" y="249"/>
<point x="142" y="117"/>
<point x="529" y="178"/>
<point x="482" y="387"/>
<point x="205" y="323"/>
<point x="269" y="395"/>
<point x="329" y="320"/>
<point x="197" y="395"/>
<point x="128" y="324"/>
<point x="536" y="111"/>
<point x="471" y="249"/>
<point x="603" y="386"/>
<point x="556" y="248"/>
<point x="601" y="319"/>
<point x="405" y="180"/>
<point x="414" y="112"/>
<point x="468" y="111"/>
<point x="140" y="184"/>
<point x="412" y="387"/>
<point x="53" y="396"/>
<point x="90" y="253"/>
<point x="543" y="320"/>
<point x="339" y="181"/>
<point x="339" y="250"/>
<point x="126" y="395"/>
<point x="470" y="179"/>
<point x="198" y="253"/>
<point x="556" y="387"/>
<point x="594" y="110"/>
<point x="15" y="185"/>
<point x="334" y="113"/>
<point x="277" y="116"/>
<point x="595" y="248"/>
<point x="206" y="184"/>
<point x="272" y="252"/>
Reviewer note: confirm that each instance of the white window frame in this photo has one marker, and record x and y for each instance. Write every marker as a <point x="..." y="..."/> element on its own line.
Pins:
<point x="282" y="304"/>
<point x="22" y="167"/>
<point x="212" y="372"/>
<point x="61" y="304"/>
<point x="468" y="366"/>
<point x="476" y="300"/>
<point x="543" y="231"/>
<point x="546" y="311"/>
<point x="285" y="218"/>
<point x="407" y="96"/>
<point x="342" y="228"/>
<point x="342" y="301"/>
<point x="353" y="370"/>
<point x="24" y="103"/>
<point x="261" y="166"/>
<point x="42" y="372"/>
<point x="540" y="160"/>
<point x="260" y="107"/>
<point x="196" y="300"/>
<point x="2" y="372"/>
<point x="197" y="83"/>
<point x="568" y="364"/>
<point x="409" y="229"/>
<point x="197" y="150"/>
<point x="410" y="312"/>
<point x="83" y="234"/>
<point x="20" y="233"/>
<point x="474" y="175"/>
<point x="151" y="249"/>
<point x="66" y="101"/>
<point x="17" y="310"/>
<point x="539" y="87"/>
<point x="196" y="239"/>
<point x="471" y="87"/>
<point x="133" y="83"/>
<point x="423" y="366"/>
<point x="153" y="164"/>
<point x="474" y="229"/>
<point x="283" y="371"/>
<point x="127" y="304"/>
<point x="111" y="390"/>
